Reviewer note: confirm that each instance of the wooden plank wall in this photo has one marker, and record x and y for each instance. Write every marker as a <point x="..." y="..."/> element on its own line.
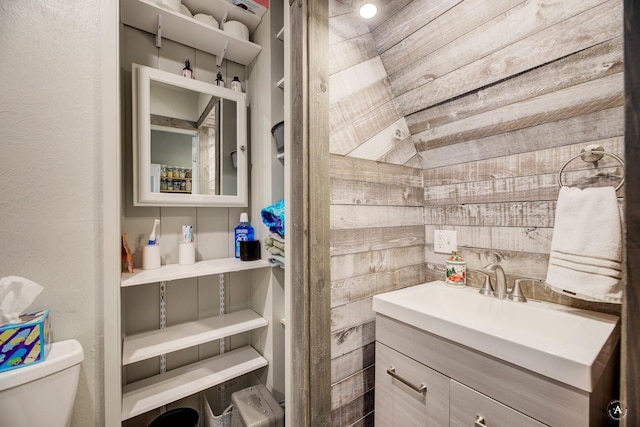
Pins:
<point x="496" y="95"/>
<point x="377" y="231"/>
<point x="365" y="119"/>
<point x="377" y="245"/>
<point x="496" y="105"/>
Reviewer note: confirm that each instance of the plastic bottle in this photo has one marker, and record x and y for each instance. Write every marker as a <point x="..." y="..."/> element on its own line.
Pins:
<point x="219" y="80"/>
<point x="235" y="84"/>
<point x="187" y="71"/>
<point x="243" y="232"/>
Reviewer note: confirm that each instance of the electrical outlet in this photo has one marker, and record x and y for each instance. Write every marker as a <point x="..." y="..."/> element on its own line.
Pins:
<point x="445" y="241"/>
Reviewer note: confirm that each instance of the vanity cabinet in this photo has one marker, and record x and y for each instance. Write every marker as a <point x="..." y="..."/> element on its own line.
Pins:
<point x="467" y="406"/>
<point x="422" y="400"/>
<point x="480" y="390"/>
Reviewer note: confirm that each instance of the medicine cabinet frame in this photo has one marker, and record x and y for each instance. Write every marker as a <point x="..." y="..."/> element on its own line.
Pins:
<point x="142" y="78"/>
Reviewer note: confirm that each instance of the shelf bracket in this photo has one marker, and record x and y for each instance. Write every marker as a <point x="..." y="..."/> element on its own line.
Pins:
<point x="163" y="325"/>
<point x="159" y="32"/>
<point x="220" y="57"/>
<point x="223" y="400"/>
<point x="222" y="308"/>
<point x="163" y="321"/>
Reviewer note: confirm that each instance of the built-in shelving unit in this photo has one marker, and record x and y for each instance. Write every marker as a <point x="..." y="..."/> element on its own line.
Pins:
<point x="151" y="393"/>
<point x="148" y="16"/>
<point x="251" y="309"/>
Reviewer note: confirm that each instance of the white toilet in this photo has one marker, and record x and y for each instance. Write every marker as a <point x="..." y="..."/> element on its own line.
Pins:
<point x="42" y="394"/>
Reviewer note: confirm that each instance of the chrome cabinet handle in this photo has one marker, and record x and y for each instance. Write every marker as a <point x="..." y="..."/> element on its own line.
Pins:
<point x="479" y="421"/>
<point x="422" y="389"/>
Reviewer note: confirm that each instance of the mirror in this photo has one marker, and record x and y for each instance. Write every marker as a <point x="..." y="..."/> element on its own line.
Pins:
<point x="190" y="141"/>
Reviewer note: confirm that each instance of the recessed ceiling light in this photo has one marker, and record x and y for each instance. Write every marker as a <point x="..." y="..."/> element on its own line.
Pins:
<point x="368" y="10"/>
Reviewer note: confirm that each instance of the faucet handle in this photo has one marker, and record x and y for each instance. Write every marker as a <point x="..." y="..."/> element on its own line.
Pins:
<point x="486" y="289"/>
<point x="516" y="293"/>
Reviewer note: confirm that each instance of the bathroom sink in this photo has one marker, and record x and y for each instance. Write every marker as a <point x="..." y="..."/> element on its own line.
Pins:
<point x="559" y="342"/>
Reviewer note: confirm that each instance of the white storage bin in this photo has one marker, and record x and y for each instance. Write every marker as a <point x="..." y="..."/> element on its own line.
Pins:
<point x="256" y="407"/>
<point x="212" y="420"/>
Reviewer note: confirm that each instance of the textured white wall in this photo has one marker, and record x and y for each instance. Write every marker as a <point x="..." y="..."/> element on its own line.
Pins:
<point x="58" y="113"/>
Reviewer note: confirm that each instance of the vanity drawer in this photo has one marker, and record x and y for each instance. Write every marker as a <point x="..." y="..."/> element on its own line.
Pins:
<point x="470" y="408"/>
<point x="400" y="404"/>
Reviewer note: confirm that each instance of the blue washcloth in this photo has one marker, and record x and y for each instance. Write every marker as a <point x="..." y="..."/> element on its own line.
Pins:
<point x="273" y="217"/>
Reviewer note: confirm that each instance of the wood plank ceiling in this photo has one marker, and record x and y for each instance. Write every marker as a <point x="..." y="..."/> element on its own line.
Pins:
<point x="427" y="76"/>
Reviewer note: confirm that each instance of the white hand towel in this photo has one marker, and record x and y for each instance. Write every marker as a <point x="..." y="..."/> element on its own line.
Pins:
<point x="586" y="248"/>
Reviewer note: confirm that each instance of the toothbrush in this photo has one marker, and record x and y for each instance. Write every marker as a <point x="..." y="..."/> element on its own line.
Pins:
<point x="187" y="233"/>
<point x="152" y="237"/>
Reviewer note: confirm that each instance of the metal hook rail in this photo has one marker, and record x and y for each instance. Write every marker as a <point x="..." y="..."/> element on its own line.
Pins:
<point x="591" y="154"/>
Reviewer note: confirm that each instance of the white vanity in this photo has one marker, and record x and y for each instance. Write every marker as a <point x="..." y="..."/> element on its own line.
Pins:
<point x="454" y="357"/>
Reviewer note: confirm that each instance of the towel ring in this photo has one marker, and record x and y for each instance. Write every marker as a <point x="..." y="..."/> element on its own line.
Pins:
<point x="591" y="154"/>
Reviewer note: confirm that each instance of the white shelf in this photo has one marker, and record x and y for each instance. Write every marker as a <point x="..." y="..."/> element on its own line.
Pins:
<point x="280" y="83"/>
<point x="217" y="9"/>
<point x="150" y="393"/>
<point x="201" y="268"/>
<point x="143" y="14"/>
<point x="161" y="341"/>
<point x="280" y="35"/>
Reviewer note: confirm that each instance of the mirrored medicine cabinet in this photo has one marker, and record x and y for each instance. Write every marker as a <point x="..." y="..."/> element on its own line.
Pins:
<point x="189" y="141"/>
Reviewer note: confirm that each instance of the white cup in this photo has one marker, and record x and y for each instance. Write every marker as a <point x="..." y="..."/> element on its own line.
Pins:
<point x="150" y="257"/>
<point x="186" y="253"/>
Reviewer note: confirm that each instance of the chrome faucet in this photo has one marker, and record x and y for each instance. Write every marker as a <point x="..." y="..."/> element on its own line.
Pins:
<point x="501" y="280"/>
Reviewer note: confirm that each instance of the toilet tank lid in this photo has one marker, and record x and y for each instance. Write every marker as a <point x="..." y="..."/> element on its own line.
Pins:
<point x="62" y="355"/>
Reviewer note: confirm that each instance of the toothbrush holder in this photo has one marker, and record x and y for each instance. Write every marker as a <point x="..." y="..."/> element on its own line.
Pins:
<point x="151" y="257"/>
<point x="186" y="253"/>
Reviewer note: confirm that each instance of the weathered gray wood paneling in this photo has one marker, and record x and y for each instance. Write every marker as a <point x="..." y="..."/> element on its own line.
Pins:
<point x="515" y="25"/>
<point x="584" y="98"/>
<point x="308" y="205"/>
<point x="598" y="61"/>
<point x="398" y="30"/>
<point x="596" y="25"/>
<point x="377" y="228"/>
<point x="583" y="129"/>
<point x="365" y="120"/>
